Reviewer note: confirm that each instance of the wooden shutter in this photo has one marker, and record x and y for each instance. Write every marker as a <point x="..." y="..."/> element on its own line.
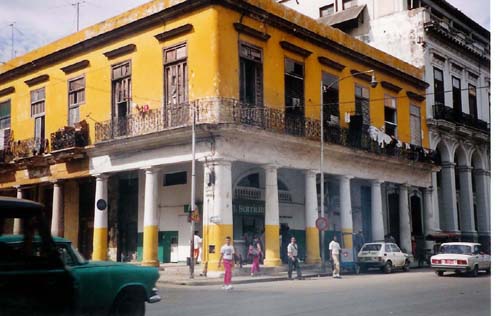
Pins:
<point x="415" y="125"/>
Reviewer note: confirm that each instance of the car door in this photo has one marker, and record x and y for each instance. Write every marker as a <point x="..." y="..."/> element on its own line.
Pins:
<point x="477" y="257"/>
<point x="398" y="255"/>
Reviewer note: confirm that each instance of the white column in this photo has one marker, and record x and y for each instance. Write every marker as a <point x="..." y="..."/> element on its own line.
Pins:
<point x="311" y="214"/>
<point x="448" y="203"/>
<point x="272" y="217"/>
<point x="466" y="202"/>
<point x="377" y="215"/>
<point x="482" y="202"/>
<point x="435" y="202"/>
<point x="17" y="221"/>
<point x="346" y="210"/>
<point x="429" y="219"/>
<point x="57" y="223"/>
<point x="150" y="239"/>
<point x="100" y="242"/>
<point x="404" y="219"/>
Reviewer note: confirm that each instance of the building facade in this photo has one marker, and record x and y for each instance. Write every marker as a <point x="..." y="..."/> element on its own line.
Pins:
<point x="251" y="75"/>
<point x="455" y="52"/>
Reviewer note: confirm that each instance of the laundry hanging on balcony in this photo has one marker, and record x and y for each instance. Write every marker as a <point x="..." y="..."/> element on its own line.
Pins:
<point x="379" y="136"/>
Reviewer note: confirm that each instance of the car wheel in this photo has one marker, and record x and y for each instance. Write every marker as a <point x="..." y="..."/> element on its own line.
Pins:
<point x="388" y="267"/>
<point x="488" y="271"/>
<point x="406" y="267"/>
<point x="440" y="273"/>
<point x="474" y="271"/>
<point x="129" y="303"/>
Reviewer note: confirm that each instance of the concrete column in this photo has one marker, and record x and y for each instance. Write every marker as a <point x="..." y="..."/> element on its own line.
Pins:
<point x="346" y="211"/>
<point x="312" y="233"/>
<point x="448" y="203"/>
<point x="272" y="218"/>
<point x="404" y="219"/>
<point x="217" y="211"/>
<point x="435" y="202"/>
<point x="377" y="215"/>
<point x="466" y="202"/>
<point x="57" y="223"/>
<point x="150" y="241"/>
<point x="17" y="221"/>
<point x="482" y="202"/>
<point x="429" y="220"/>
<point x="100" y="242"/>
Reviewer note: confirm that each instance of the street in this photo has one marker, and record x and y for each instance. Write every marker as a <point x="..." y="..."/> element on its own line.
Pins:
<point x="419" y="292"/>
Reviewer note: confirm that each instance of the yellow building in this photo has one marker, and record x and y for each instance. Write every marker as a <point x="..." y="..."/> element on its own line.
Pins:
<point x="104" y="115"/>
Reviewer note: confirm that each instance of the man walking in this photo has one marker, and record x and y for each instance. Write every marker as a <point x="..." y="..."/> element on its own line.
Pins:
<point x="197" y="242"/>
<point x="334" y="254"/>
<point x="293" y="260"/>
<point x="227" y="254"/>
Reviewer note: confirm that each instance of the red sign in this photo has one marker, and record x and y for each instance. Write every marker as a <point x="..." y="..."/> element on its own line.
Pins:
<point x="322" y="223"/>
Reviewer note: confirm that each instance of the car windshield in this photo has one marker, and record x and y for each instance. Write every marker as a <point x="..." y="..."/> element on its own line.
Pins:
<point x="371" y="247"/>
<point x="457" y="249"/>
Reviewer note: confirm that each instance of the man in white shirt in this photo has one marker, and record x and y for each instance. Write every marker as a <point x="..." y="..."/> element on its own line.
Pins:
<point x="197" y="242"/>
<point x="227" y="255"/>
<point x="335" y="249"/>
<point x="293" y="259"/>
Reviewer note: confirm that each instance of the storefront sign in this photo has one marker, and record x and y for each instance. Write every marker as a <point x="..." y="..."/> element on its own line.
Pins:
<point x="249" y="208"/>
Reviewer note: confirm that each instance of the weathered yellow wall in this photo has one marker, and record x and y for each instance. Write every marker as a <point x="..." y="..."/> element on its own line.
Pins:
<point x="71" y="211"/>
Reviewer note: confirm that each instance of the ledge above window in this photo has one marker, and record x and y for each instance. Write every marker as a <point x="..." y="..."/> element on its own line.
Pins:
<point x="7" y="91"/>
<point x="247" y="30"/>
<point x="120" y="51"/>
<point x="295" y="49"/>
<point x="76" y="66"/>
<point x="183" y="29"/>
<point x="37" y="80"/>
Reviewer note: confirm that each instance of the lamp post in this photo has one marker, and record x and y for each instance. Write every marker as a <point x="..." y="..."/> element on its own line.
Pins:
<point x="193" y="188"/>
<point x="373" y="84"/>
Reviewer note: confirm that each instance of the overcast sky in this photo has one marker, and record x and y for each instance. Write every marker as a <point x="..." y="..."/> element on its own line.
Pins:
<point x="39" y="22"/>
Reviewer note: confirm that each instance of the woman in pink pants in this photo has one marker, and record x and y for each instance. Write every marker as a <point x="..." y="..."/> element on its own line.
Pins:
<point x="227" y="255"/>
<point x="254" y="251"/>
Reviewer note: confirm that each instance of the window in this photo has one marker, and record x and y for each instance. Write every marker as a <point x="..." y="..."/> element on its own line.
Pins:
<point x="5" y="115"/>
<point x="176" y="76"/>
<point x="176" y="178"/>
<point x="415" y="125"/>
<point x="395" y="248"/>
<point x="121" y="76"/>
<point x="390" y="114"/>
<point x="327" y="10"/>
<point x="414" y="4"/>
<point x="438" y="86"/>
<point x="38" y="113"/>
<point x="294" y="97"/>
<point x="371" y="247"/>
<point x="76" y="96"/>
<point x="330" y="98"/>
<point x="473" y="101"/>
<point x="362" y="103"/>
<point x="251" y="75"/>
<point x="387" y="248"/>
<point x="347" y="4"/>
<point x="457" y="94"/>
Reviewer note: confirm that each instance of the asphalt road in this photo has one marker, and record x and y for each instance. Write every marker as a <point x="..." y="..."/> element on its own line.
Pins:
<point x="419" y="292"/>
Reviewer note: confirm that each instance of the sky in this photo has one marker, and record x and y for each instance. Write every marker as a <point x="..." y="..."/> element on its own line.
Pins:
<point x="39" y="22"/>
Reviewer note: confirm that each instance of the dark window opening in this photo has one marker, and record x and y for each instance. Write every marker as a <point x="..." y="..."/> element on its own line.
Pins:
<point x="457" y="94"/>
<point x="176" y="178"/>
<point x="5" y="115"/>
<point x="76" y="97"/>
<point x="251" y="85"/>
<point x="250" y="181"/>
<point x="473" y="101"/>
<point x="330" y="98"/>
<point x="121" y="85"/>
<point x="438" y="86"/>
<point x="294" y="97"/>
<point x="390" y="114"/>
<point x="362" y="103"/>
<point x="414" y="4"/>
<point x="327" y="10"/>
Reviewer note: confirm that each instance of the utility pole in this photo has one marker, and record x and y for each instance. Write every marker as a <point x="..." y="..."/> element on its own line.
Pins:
<point x="193" y="189"/>
<point x="77" y="5"/>
<point x="12" y="40"/>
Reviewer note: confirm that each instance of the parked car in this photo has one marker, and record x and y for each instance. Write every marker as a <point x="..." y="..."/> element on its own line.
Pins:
<point x="461" y="257"/>
<point x="45" y="275"/>
<point x="382" y="255"/>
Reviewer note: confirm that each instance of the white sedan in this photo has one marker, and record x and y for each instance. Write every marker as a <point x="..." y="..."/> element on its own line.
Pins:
<point x="461" y="257"/>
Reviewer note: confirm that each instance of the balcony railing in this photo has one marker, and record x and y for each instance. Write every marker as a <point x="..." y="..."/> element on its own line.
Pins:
<point x="30" y="147"/>
<point x="443" y="112"/>
<point x="230" y="111"/>
<point x="70" y="137"/>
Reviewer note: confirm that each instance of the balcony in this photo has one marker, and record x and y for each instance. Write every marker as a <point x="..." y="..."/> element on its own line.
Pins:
<point x="442" y="112"/>
<point x="229" y="111"/>
<point x="30" y="152"/>
<point x="69" y="143"/>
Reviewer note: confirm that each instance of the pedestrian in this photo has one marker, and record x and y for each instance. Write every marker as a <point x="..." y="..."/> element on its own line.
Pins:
<point x="254" y="252"/>
<point x="334" y="248"/>
<point x="197" y="242"/>
<point x="359" y="240"/>
<point x="227" y="254"/>
<point x="293" y="259"/>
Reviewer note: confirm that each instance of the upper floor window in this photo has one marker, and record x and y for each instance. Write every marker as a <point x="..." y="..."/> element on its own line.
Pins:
<point x="473" y="101"/>
<point x="330" y="93"/>
<point x="251" y="85"/>
<point x="76" y="97"/>
<point x="176" y="178"/>
<point x="176" y="76"/>
<point x="438" y="86"/>
<point x="390" y="114"/>
<point x="457" y="94"/>
<point x="327" y="10"/>
<point x="5" y="114"/>
<point x="414" y="4"/>
<point x="348" y="3"/>
<point x="415" y="125"/>
<point x="362" y="103"/>
<point x="38" y="102"/>
<point x="122" y="83"/>
<point x="294" y="87"/>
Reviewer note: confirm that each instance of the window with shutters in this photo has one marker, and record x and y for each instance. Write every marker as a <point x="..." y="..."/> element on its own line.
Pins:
<point x="76" y="97"/>
<point x="330" y="93"/>
<point x="438" y="86"/>
<point x="473" y="101"/>
<point x="122" y="84"/>
<point x="4" y="115"/>
<point x="415" y="125"/>
<point x="176" y="76"/>
<point x="38" y="102"/>
<point x="294" y="87"/>
<point x="362" y="103"/>
<point x="457" y="94"/>
<point x="391" y="117"/>
<point x="251" y="86"/>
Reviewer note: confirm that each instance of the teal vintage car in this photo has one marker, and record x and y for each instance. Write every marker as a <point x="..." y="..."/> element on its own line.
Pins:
<point x="45" y="275"/>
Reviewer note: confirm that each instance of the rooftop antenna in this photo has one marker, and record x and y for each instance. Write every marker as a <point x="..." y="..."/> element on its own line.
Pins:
<point x="77" y="5"/>
<point x="12" y="53"/>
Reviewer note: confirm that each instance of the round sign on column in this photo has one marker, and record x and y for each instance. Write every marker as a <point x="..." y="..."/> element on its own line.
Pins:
<point x="101" y="204"/>
<point x="322" y="223"/>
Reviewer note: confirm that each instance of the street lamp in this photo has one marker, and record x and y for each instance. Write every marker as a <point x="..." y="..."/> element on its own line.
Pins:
<point x="373" y="84"/>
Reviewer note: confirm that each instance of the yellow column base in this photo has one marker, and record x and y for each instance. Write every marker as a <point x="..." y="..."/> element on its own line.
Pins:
<point x="272" y="245"/>
<point x="215" y="235"/>
<point x="347" y="237"/>
<point x="150" y="247"/>
<point x="312" y="245"/>
<point x="100" y="244"/>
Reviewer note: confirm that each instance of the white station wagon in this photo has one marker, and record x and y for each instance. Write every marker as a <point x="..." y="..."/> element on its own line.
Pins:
<point x="461" y="257"/>
<point x="385" y="256"/>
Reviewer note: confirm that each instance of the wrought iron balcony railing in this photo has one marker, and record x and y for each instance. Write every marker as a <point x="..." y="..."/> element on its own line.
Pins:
<point x="70" y="137"/>
<point x="230" y="111"/>
<point x="443" y="112"/>
<point x="30" y="147"/>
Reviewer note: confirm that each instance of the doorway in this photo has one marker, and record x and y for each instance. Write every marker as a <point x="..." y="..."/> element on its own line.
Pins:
<point x="127" y="219"/>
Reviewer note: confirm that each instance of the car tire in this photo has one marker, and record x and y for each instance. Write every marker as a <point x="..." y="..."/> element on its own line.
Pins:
<point x="488" y="271"/>
<point x="388" y="267"/>
<point x="129" y="303"/>
<point x="406" y="267"/>
<point x="474" y="273"/>
<point x="440" y="273"/>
